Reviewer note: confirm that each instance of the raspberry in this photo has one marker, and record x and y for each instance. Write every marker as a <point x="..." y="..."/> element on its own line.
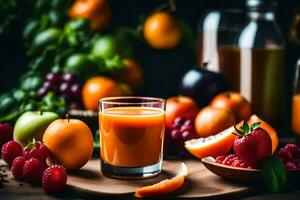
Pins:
<point x="40" y="152"/>
<point x="237" y="163"/>
<point x="220" y="159"/>
<point x="6" y="133"/>
<point x="294" y="150"/>
<point x="33" y="170"/>
<point x="284" y="155"/>
<point x="11" y="150"/>
<point x="231" y="156"/>
<point x="17" y="167"/>
<point x="54" y="178"/>
<point x="244" y="165"/>
<point x="290" y="165"/>
<point x="229" y="159"/>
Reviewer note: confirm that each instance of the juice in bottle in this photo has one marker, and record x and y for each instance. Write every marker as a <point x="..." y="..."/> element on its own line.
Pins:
<point x="258" y="74"/>
<point x="131" y="136"/>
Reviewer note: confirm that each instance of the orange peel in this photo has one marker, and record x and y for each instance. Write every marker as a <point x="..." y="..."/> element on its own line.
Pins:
<point x="164" y="187"/>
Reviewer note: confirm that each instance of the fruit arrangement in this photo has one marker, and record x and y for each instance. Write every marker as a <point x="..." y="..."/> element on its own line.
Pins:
<point x="206" y="125"/>
<point x="68" y="43"/>
<point x="29" y="164"/>
<point x="252" y="145"/>
<point x="45" y="148"/>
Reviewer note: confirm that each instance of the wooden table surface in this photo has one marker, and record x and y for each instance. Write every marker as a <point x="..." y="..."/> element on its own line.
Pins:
<point x="11" y="189"/>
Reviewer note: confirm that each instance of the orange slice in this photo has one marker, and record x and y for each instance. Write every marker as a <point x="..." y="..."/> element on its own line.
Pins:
<point x="164" y="187"/>
<point x="268" y="128"/>
<point x="215" y="145"/>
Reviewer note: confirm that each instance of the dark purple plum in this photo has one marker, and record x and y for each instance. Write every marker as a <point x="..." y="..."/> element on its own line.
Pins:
<point x="202" y="85"/>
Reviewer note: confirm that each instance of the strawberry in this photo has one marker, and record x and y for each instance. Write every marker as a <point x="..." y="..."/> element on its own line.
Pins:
<point x="6" y="133"/>
<point x="253" y="144"/>
<point x="37" y="150"/>
<point x="54" y="178"/>
<point x="33" y="170"/>
<point x="17" y="167"/>
<point x="10" y="150"/>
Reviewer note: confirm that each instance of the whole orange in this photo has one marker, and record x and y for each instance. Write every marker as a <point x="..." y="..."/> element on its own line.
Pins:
<point x="70" y="142"/>
<point x="98" y="12"/>
<point x="132" y="74"/>
<point x="211" y="120"/>
<point x="96" y="88"/>
<point x="235" y="102"/>
<point x="161" y="31"/>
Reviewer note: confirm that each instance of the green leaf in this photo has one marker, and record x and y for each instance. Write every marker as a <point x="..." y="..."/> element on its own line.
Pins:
<point x="274" y="174"/>
<point x="246" y="128"/>
<point x="255" y="126"/>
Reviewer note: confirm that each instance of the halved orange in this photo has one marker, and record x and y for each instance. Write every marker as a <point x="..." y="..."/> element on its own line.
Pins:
<point x="164" y="187"/>
<point x="215" y="145"/>
<point x="268" y="128"/>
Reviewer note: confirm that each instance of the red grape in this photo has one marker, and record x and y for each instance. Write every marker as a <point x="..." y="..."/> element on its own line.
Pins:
<point x="189" y="128"/>
<point x="42" y="92"/>
<point x="69" y="78"/>
<point x="188" y="123"/>
<point x="175" y="135"/>
<point x="54" y="78"/>
<point x="76" y="89"/>
<point x="65" y="89"/>
<point x="187" y="135"/>
<point x="178" y="121"/>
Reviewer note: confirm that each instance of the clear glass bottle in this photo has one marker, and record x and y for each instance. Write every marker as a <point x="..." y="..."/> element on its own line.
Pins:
<point x="217" y="28"/>
<point x="254" y="66"/>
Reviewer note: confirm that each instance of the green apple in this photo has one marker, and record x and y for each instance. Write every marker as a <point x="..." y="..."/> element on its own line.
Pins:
<point x="32" y="125"/>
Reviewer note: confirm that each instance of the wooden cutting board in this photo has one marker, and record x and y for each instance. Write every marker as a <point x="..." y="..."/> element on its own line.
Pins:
<point x="200" y="182"/>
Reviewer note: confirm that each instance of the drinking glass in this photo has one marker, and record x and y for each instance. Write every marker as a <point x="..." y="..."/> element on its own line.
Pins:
<point x="131" y="136"/>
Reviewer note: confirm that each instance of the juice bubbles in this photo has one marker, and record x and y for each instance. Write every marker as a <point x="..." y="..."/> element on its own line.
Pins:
<point x="131" y="136"/>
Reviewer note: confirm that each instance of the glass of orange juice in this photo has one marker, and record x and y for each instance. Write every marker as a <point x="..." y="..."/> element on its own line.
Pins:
<point x="131" y="136"/>
<point x="296" y="104"/>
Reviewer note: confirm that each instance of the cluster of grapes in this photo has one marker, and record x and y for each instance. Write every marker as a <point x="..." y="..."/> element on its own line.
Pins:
<point x="175" y="136"/>
<point x="65" y="85"/>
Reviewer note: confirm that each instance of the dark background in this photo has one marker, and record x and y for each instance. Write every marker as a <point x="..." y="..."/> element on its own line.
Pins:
<point x="162" y="68"/>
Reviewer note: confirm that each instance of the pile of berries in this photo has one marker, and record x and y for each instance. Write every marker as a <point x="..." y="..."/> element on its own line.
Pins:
<point x="29" y="164"/>
<point x="252" y="145"/>
<point x="233" y="160"/>
<point x="175" y="136"/>
<point x="290" y="156"/>
<point x="65" y="85"/>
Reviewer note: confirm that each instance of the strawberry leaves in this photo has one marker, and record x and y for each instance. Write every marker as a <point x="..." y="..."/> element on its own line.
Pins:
<point x="274" y="174"/>
<point x="246" y="129"/>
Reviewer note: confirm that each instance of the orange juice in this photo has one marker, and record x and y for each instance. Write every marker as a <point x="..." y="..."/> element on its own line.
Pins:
<point x="296" y="115"/>
<point x="131" y="136"/>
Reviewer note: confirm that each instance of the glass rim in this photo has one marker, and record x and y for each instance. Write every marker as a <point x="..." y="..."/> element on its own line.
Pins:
<point x="148" y="100"/>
